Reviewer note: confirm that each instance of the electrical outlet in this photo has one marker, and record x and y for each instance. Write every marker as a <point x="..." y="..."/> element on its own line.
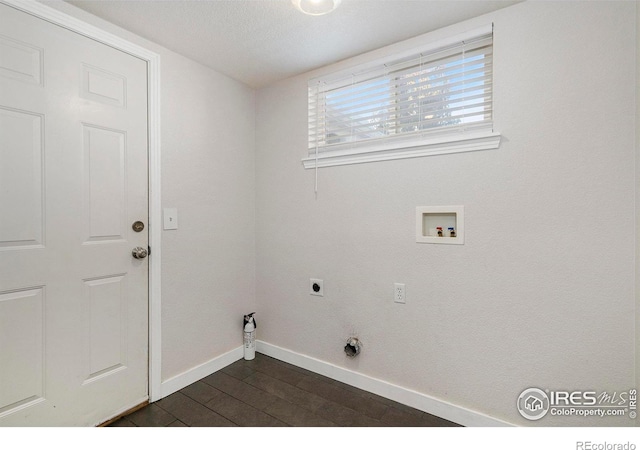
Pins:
<point x="316" y="287"/>
<point x="398" y="293"/>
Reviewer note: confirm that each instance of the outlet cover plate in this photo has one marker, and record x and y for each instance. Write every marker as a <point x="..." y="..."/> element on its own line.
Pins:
<point x="399" y="293"/>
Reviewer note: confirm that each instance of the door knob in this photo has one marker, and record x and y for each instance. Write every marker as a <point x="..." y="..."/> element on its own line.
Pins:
<point x="139" y="253"/>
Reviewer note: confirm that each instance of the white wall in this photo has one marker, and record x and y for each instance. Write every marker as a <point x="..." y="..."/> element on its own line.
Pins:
<point x="541" y="293"/>
<point x="208" y="175"/>
<point x="208" y="264"/>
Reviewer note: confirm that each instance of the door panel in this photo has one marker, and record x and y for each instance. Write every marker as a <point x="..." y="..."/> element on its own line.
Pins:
<point x="105" y="326"/>
<point x="73" y="178"/>
<point x="21" y="179"/>
<point x="21" y="348"/>
<point x="20" y="61"/>
<point x="105" y="183"/>
<point x="103" y="86"/>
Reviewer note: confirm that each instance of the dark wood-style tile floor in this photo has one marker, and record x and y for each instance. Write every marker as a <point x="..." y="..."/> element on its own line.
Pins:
<point x="267" y="392"/>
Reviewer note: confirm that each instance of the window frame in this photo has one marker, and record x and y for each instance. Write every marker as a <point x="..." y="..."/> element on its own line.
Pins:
<point x="435" y="142"/>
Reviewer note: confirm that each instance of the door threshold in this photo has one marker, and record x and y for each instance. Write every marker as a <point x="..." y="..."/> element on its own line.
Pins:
<point x="122" y="414"/>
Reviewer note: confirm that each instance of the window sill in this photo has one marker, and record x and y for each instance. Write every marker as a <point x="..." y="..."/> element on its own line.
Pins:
<point x="441" y="146"/>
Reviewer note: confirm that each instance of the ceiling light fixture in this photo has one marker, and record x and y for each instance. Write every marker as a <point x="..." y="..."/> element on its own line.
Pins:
<point x="316" y="7"/>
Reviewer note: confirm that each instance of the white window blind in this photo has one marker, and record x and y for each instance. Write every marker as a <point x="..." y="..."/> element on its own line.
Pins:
<point x="404" y="101"/>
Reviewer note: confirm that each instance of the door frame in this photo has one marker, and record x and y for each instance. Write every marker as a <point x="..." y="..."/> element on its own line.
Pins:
<point x="153" y="118"/>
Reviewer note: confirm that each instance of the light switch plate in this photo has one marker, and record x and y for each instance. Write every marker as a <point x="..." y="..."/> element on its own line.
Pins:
<point x="170" y="219"/>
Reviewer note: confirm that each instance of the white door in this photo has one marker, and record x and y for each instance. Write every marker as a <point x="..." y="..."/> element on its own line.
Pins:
<point x="73" y="180"/>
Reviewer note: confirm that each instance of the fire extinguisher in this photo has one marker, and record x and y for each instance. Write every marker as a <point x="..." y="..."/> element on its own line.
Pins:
<point x="249" y="337"/>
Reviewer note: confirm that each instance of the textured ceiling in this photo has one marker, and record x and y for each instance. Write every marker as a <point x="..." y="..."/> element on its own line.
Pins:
<point x="262" y="41"/>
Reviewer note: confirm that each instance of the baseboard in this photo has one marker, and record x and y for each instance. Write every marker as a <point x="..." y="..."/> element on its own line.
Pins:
<point x="423" y="402"/>
<point x="190" y="376"/>
<point x="431" y="405"/>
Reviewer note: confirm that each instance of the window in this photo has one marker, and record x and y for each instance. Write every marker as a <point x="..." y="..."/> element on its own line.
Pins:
<point x="429" y="101"/>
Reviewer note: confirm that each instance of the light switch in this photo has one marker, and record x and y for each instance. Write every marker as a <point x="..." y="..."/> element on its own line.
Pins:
<point x="170" y="221"/>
